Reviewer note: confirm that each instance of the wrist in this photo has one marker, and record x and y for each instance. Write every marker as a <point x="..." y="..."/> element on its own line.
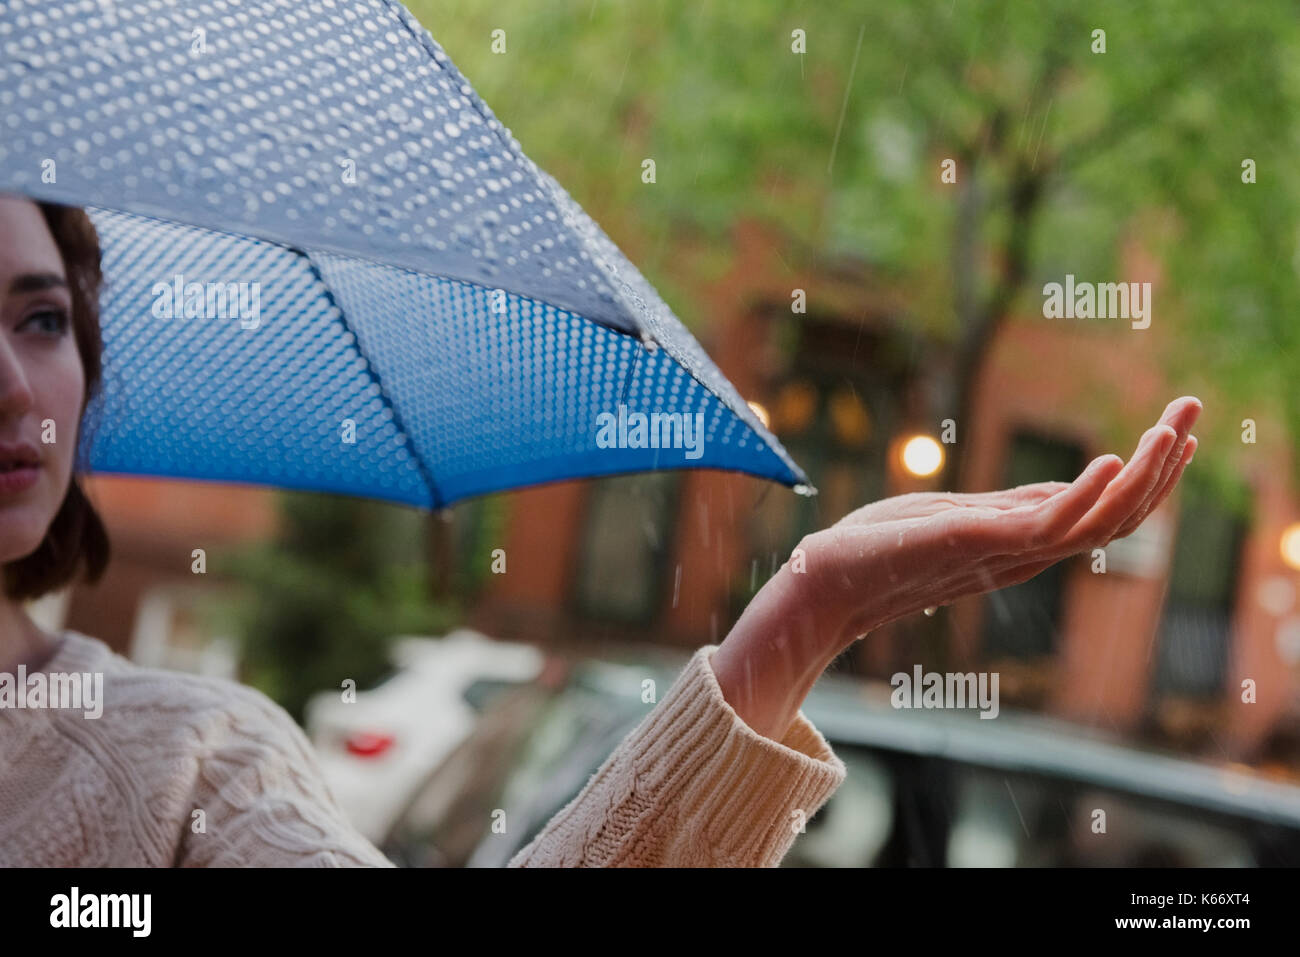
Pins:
<point x="774" y="654"/>
<point x="842" y="607"/>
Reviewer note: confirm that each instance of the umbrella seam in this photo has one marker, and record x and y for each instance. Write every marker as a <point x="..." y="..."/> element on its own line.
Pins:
<point x="644" y="318"/>
<point x="135" y="253"/>
<point x="407" y="438"/>
<point x="274" y="238"/>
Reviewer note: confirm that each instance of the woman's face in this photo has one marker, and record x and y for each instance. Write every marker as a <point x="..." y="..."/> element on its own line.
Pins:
<point x="41" y="377"/>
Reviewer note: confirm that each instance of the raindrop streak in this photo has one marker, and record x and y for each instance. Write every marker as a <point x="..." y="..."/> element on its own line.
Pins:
<point x="1016" y="805"/>
<point x="848" y="87"/>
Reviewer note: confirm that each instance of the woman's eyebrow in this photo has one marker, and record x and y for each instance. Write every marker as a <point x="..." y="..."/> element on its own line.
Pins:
<point x="36" y="282"/>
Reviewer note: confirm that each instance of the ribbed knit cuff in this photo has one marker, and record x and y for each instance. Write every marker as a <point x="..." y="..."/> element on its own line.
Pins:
<point x="744" y="796"/>
<point x="693" y="786"/>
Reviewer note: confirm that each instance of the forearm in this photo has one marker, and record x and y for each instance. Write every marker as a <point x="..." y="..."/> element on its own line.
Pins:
<point x="774" y="655"/>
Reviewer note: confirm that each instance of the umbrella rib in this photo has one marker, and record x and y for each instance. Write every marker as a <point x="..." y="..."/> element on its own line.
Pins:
<point x="435" y="498"/>
<point x="641" y="322"/>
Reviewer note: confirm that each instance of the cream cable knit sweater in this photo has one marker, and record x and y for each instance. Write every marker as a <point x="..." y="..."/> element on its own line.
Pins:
<point x="182" y="770"/>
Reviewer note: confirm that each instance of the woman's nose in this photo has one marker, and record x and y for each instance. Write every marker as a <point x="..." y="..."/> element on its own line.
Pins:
<point x="15" y="391"/>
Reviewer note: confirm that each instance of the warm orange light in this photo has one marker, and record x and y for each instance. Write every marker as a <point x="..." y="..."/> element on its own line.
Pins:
<point x="761" y="413"/>
<point x="849" y="417"/>
<point x="1291" y="546"/>
<point x="922" y="456"/>
<point x="796" y="405"/>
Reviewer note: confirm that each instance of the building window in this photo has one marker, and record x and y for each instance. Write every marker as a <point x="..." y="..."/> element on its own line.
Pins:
<point x="626" y="545"/>
<point x="1197" y="621"/>
<point x="1023" y="621"/>
<point x="837" y="428"/>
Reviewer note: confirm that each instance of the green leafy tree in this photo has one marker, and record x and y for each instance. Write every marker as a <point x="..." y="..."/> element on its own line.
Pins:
<point x="1062" y="152"/>
<point x="324" y="600"/>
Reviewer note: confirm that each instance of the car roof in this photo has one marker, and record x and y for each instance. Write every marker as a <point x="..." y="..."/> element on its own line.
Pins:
<point x="852" y="712"/>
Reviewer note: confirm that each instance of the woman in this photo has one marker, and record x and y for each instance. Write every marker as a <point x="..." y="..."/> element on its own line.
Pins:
<point x="179" y="770"/>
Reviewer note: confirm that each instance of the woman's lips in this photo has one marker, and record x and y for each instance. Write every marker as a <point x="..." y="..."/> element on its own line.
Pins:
<point x="18" y="480"/>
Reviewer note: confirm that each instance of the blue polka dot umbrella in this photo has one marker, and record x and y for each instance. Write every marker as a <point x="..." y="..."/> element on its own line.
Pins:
<point x="330" y="267"/>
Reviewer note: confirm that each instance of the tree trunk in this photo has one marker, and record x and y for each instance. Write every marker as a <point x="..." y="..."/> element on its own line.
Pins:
<point x="979" y="321"/>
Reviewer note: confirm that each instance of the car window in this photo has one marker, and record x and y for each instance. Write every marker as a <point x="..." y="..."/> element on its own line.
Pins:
<point x="579" y="731"/>
<point x="481" y="693"/>
<point x="991" y="818"/>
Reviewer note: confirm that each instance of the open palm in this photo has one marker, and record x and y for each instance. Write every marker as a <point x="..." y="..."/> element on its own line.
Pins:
<point x="897" y="556"/>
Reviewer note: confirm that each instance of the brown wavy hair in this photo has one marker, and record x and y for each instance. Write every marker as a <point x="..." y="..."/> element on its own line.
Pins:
<point x="76" y="534"/>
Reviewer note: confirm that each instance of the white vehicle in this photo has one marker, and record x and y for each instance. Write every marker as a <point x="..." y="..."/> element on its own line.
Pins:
<point x="375" y="752"/>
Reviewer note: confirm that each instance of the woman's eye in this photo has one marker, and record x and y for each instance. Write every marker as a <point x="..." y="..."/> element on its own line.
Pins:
<point x="51" y="321"/>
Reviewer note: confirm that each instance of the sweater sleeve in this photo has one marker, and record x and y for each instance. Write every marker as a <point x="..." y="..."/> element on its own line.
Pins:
<point x="693" y="786"/>
<point x="264" y="799"/>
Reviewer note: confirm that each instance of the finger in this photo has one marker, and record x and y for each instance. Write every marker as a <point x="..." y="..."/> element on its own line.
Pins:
<point x="1181" y="458"/>
<point x="1189" y="453"/>
<point x="924" y="505"/>
<point x="1054" y="517"/>
<point x="1027" y="527"/>
<point x="1013" y="570"/>
<point x="1185" y="459"/>
<point x="1016" y="497"/>
<point x="1180" y="415"/>
<point x="1126" y="493"/>
<point x="1038" y="492"/>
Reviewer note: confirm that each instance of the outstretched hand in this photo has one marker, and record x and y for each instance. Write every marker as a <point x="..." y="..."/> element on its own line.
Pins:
<point x="910" y="552"/>
<point x="897" y="556"/>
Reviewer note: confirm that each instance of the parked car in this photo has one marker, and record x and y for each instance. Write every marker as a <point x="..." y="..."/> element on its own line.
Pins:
<point x="944" y="788"/>
<point x="377" y="751"/>
<point x="520" y="765"/>
<point x="924" y="788"/>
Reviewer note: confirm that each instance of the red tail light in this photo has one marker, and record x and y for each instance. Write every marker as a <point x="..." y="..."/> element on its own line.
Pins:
<point x="368" y="744"/>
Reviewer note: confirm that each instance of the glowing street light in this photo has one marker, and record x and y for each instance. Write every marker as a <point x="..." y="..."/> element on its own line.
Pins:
<point x="922" y="456"/>
<point x="1291" y="545"/>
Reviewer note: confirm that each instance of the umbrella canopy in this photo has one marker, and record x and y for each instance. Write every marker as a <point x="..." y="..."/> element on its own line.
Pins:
<point x="330" y="267"/>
